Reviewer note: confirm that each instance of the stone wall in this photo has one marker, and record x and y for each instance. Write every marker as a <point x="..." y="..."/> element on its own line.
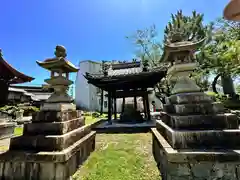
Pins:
<point x="52" y="147"/>
<point x="177" y="167"/>
<point x="58" y="166"/>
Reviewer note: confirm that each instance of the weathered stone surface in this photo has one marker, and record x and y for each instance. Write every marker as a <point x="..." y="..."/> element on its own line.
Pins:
<point x="24" y="169"/>
<point x="21" y="165"/>
<point x="199" y="139"/>
<point x="55" y="116"/>
<point x="56" y="128"/>
<point x="201" y="170"/>
<point x="52" y="156"/>
<point x="49" y="142"/>
<point x="210" y="165"/>
<point x="186" y="98"/>
<point x="203" y="108"/>
<point x="6" y="130"/>
<point x="201" y="122"/>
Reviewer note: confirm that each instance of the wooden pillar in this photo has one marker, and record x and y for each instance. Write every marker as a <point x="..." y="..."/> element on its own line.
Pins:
<point x="109" y="106"/>
<point x="115" y="105"/>
<point x="123" y="104"/>
<point x="144" y="106"/>
<point x="148" y="108"/>
<point x="135" y="102"/>
<point x="115" y="108"/>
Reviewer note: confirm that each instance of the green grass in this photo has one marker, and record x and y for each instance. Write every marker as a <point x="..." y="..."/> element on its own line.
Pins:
<point x="18" y="131"/>
<point x="120" y="157"/>
<point x="90" y="119"/>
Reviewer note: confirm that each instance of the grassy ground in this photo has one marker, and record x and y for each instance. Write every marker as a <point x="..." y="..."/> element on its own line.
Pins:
<point x="18" y="131"/>
<point x="120" y="157"/>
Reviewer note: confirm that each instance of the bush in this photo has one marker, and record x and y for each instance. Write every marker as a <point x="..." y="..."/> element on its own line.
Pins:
<point x="95" y="115"/>
<point x="29" y="110"/>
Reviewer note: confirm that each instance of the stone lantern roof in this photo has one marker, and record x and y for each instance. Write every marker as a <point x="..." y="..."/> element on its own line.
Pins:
<point x="59" y="62"/>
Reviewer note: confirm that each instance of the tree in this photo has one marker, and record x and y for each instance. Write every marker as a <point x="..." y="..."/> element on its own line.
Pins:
<point x="185" y="28"/>
<point x="148" y="48"/>
<point x="221" y="54"/>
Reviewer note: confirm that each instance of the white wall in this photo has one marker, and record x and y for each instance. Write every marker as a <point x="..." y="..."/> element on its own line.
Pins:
<point x="81" y="86"/>
<point x="94" y="67"/>
<point x="86" y="94"/>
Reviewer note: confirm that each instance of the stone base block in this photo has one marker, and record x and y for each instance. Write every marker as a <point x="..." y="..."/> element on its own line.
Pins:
<point x="58" y="107"/>
<point x="194" y="165"/>
<point x="200" y="139"/>
<point x="55" y="116"/>
<point x="194" y="109"/>
<point x="201" y="122"/>
<point x="185" y="98"/>
<point x="6" y="130"/>
<point x="56" y="128"/>
<point x="49" y="142"/>
<point x="19" y="165"/>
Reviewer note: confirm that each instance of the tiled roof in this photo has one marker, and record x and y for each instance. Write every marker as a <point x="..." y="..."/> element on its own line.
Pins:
<point x="126" y="65"/>
<point x="18" y="76"/>
<point x="127" y="71"/>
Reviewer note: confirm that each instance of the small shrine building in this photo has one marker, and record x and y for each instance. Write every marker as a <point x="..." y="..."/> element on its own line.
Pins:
<point x="124" y="80"/>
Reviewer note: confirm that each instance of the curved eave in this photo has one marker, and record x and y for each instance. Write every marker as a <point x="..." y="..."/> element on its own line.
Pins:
<point x="232" y="10"/>
<point x="19" y="77"/>
<point x="57" y="63"/>
<point x="130" y="79"/>
<point x="182" y="47"/>
<point x="174" y="47"/>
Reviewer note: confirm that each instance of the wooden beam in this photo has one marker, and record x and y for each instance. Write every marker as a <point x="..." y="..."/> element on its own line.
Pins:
<point x="132" y="93"/>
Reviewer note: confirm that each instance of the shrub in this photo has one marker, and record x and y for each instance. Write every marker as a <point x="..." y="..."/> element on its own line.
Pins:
<point x="95" y="114"/>
<point x="28" y="110"/>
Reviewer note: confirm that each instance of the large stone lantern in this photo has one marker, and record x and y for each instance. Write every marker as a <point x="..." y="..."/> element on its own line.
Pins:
<point x="183" y="64"/>
<point x="60" y="68"/>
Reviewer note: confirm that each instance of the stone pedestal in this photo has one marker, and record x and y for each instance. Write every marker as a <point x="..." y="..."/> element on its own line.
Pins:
<point x="196" y="139"/>
<point x="6" y="129"/>
<point x="51" y="148"/>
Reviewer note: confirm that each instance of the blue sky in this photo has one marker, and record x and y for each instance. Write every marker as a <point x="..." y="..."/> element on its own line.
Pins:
<point x="89" y="29"/>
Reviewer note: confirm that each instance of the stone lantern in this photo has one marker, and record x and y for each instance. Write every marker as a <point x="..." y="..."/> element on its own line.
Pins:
<point x="57" y="140"/>
<point x="181" y="56"/>
<point x="60" y="68"/>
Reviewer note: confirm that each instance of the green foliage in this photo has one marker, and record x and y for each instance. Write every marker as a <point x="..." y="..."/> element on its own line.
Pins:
<point x="148" y="48"/>
<point x="221" y="54"/>
<point x="13" y="110"/>
<point x="185" y="28"/>
<point x="28" y="110"/>
<point x="95" y="114"/>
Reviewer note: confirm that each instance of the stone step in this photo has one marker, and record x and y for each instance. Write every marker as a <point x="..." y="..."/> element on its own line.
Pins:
<point x="195" y="109"/>
<point x="55" y="116"/>
<point x="200" y="139"/>
<point x="185" y="98"/>
<point x="7" y="130"/>
<point x="49" y="142"/>
<point x="204" y="122"/>
<point x="53" y="128"/>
